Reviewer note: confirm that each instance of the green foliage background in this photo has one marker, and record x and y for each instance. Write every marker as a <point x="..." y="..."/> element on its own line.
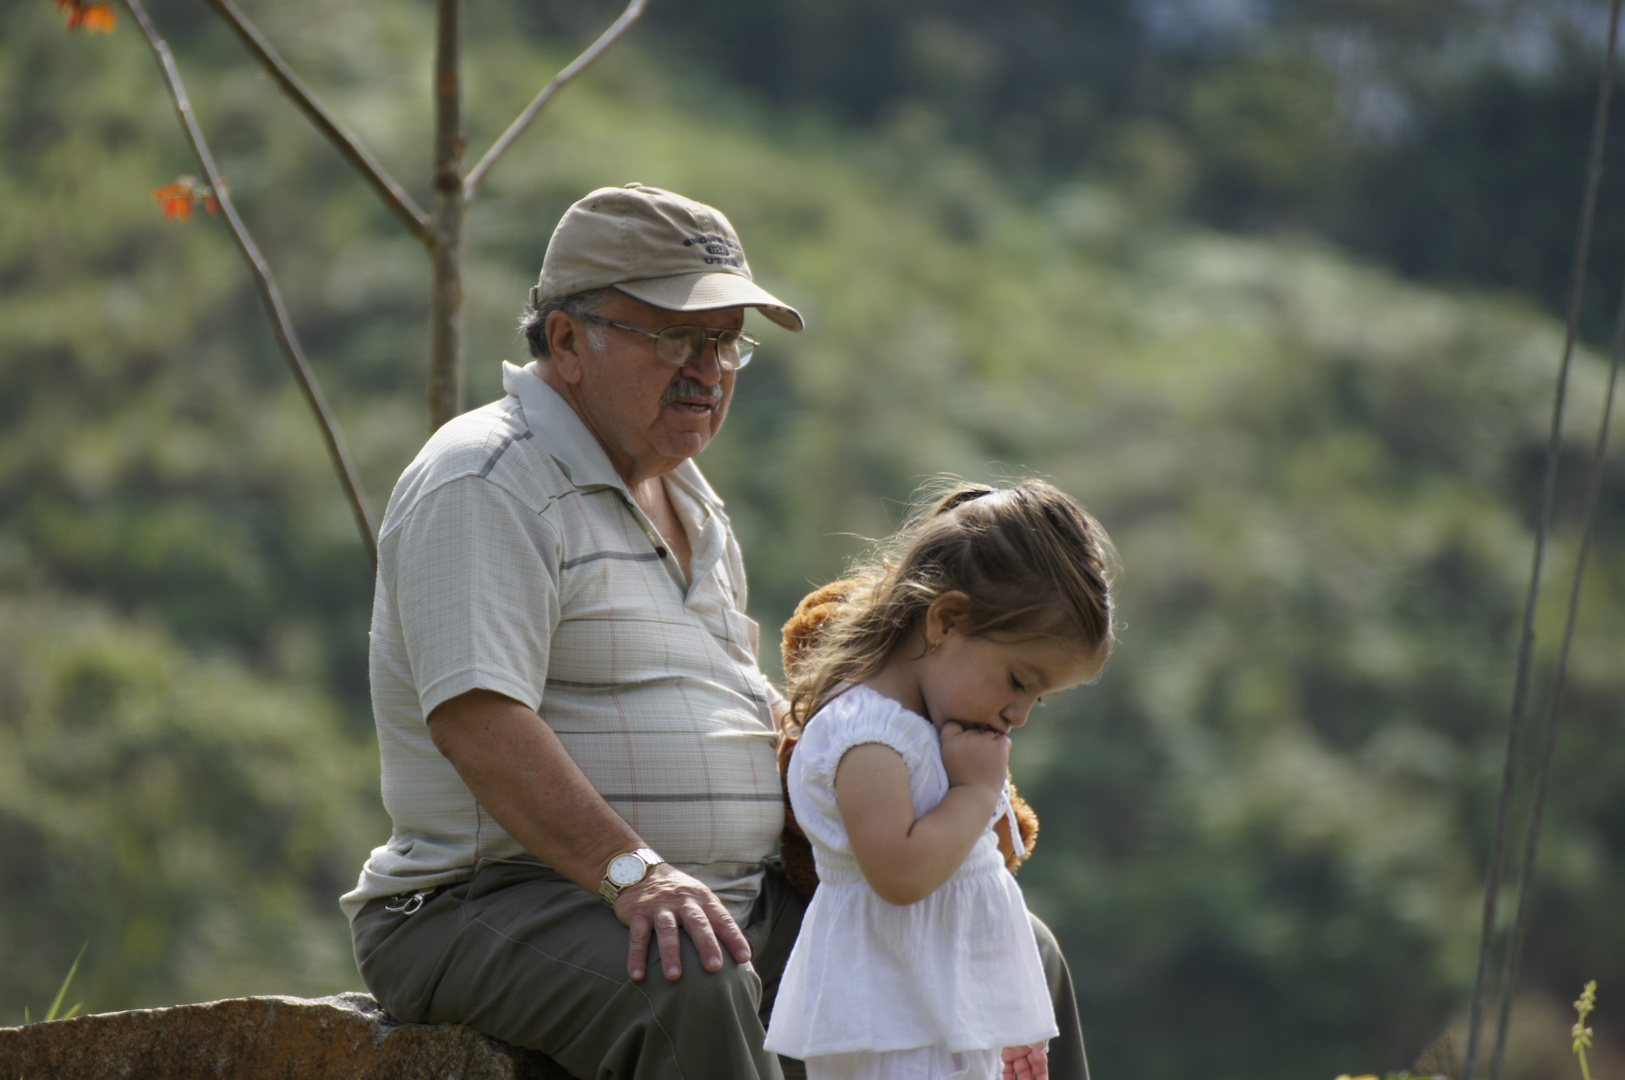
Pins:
<point x="1264" y="828"/>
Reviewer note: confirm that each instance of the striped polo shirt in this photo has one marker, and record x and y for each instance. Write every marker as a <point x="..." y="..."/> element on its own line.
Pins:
<point x="512" y="558"/>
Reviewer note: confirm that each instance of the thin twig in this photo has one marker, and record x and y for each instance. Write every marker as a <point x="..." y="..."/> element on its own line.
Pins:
<point x="629" y="17"/>
<point x="1537" y="815"/>
<point x="280" y="322"/>
<point x="1526" y="645"/>
<point x="394" y="196"/>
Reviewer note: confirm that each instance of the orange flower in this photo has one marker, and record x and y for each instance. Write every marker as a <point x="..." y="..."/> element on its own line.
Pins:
<point x="177" y="198"/>
<point x="97" y="15"/>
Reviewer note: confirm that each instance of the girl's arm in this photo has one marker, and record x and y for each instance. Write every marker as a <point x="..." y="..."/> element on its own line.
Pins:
<point x="905" y="858"/>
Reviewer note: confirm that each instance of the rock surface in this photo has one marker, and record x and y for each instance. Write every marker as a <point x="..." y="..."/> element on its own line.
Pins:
<point x="348" y="1037"/>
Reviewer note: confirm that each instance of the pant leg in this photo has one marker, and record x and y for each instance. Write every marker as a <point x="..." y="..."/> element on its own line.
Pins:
<point x="1066" y="1057"/>
<point x="774" y="923"/>
<point x="527" y="956"/>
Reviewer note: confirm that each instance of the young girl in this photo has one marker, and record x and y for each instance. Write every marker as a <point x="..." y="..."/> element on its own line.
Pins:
<point x="915" y="959"/>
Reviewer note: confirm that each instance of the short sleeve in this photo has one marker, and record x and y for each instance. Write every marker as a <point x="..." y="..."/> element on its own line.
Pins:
<point x="475" y="584"/>
<point x="857" y="717"/>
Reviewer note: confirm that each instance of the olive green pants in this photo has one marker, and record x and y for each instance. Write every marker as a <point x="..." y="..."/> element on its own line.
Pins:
<point x="524" y="954"/>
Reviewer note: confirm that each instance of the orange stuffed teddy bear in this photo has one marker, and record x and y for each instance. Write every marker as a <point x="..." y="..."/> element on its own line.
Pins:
<point x="799" y="635"/>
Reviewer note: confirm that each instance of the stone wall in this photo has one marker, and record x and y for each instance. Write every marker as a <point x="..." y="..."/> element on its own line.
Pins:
<point x="347" y="1037"/>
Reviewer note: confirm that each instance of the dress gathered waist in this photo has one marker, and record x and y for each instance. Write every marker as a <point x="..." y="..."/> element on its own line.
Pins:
<point x="845" y="871"/>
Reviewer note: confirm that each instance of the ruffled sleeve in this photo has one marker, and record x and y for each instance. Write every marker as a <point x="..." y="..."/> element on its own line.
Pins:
<point x="861" y="716"/>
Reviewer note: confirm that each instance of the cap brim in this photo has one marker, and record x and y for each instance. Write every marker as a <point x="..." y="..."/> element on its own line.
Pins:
<point x="707" y="292"/>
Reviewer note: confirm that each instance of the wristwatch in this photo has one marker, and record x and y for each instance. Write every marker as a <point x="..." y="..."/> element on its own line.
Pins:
<point x="626" y="871"/>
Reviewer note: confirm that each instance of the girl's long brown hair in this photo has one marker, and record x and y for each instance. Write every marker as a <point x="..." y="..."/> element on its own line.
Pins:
<point x="1030" y="560"/>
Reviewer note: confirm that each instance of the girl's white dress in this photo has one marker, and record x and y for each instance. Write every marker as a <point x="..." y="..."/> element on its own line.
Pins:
<point x="954" y="977"/>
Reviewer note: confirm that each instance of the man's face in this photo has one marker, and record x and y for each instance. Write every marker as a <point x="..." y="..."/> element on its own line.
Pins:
<point x="648" y="415"/>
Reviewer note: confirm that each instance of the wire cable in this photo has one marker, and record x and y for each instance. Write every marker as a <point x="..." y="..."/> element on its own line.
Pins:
<point x="1520" y="690"/>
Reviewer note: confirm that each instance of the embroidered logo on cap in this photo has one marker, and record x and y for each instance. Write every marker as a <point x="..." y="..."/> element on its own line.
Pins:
<point x="719" y="250"/>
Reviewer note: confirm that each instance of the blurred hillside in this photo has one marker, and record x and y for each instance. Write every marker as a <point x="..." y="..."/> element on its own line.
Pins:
<point x="1264" y="828"/>
<point x="1446" y="139"/>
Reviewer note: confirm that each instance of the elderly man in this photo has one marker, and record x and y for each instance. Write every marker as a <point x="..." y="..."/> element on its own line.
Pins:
<point x="577" y="743"/>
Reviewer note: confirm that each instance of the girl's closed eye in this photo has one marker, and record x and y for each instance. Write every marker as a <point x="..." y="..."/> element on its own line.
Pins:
<point x="1021" y="686"/>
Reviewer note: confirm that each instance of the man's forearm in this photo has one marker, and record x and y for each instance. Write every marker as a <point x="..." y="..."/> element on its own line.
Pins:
<point x="524" y="778"/>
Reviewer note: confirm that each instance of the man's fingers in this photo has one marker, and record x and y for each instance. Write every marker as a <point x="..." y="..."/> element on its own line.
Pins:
<point x="697" y="924"/>
<point x="671" y="948"/>
<point x="638" y="947"/>
<point x="727" y="931"/>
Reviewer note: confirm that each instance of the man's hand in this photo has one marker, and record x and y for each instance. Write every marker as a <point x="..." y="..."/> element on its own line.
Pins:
<point x="667" y="899"/>
<point x="1025" y="1062"/>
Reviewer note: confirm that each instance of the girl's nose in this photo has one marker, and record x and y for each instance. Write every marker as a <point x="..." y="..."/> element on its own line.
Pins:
<point x="1015" y="714"/>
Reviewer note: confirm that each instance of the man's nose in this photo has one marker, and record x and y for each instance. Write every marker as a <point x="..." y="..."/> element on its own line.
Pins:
<point x="705" y="367"/>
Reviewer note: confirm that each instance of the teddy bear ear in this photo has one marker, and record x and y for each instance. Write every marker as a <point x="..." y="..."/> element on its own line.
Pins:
<point x="802" y="630"/>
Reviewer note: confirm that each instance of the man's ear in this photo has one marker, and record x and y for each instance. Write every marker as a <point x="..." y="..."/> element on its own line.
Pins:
<point x="566" y="339"/>
<point x="947" y="612"/>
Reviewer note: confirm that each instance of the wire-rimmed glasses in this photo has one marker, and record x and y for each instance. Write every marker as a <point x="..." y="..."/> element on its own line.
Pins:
<point x="680" y="346"/>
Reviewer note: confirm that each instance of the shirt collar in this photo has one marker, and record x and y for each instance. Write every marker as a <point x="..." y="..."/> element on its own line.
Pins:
<point x="574" y="446"/>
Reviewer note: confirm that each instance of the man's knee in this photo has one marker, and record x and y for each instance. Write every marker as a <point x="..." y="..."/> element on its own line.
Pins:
<point x="702" y="1024"/>
<point x="704" y="997"/>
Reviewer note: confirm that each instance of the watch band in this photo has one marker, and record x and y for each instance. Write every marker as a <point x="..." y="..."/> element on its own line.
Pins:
<point x="609" y="890"/>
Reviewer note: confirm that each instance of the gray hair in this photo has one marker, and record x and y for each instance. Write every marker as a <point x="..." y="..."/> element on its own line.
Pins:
<point x="533" y="322"/>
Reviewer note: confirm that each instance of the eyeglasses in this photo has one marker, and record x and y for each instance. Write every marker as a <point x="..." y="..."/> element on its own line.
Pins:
<point x="680" y="346"/>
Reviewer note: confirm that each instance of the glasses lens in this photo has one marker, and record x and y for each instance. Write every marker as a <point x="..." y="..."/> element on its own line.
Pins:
<point x="681" y="345"/>
<point x="728" y="350"/>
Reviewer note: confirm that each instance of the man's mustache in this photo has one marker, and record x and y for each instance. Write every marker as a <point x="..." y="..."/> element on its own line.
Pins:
<point x="685" y="387"/>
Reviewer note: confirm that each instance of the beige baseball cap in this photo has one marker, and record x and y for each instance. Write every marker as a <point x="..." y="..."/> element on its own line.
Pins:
<point x="655" y="246"/>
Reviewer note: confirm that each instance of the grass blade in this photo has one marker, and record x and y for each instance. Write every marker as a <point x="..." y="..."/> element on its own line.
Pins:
<point x="56" y="1005"/>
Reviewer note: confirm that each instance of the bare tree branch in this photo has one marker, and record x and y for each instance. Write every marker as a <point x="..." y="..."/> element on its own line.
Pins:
<point x="394" y="196"/>
<point x="446" y="227"/>
<point x="629" y="17"/>
<point x="280" y="322"/>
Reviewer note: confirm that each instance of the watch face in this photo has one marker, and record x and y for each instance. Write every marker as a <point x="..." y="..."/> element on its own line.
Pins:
<point x="626" y="870"/>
